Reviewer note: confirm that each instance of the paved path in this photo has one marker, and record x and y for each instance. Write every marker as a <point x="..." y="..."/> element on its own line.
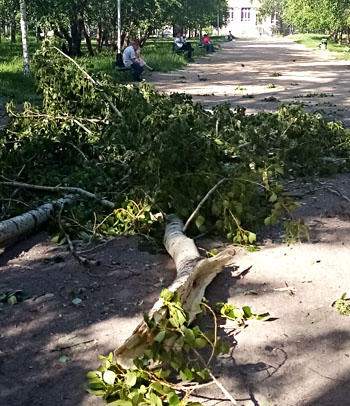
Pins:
<point x="314" y="78"/>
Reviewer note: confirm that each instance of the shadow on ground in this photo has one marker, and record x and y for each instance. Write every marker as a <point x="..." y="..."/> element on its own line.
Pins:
<point x="47" y="343"/>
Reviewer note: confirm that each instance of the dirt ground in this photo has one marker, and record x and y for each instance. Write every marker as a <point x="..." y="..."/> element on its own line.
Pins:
<point x="244" y="71"/>
<point x="47" y="343"/>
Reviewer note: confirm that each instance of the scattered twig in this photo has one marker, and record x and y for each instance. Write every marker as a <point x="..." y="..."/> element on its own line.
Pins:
<point x="217" y="383"/>
<point x="59" y="348"/>
<point x="327" y="377"/>
<point x="66" y="189"/>
<point x="205" y="198"/>
<point x="79" y="150"/>
<point x="213" y="344"/>
<point x="96" y="247"/>
<point x="82" y="126"/>
<point x="96" y="83"/>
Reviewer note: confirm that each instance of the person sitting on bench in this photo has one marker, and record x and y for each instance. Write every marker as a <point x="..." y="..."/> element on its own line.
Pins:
<point x="209" y="47"/>
<point x="130" y="61"/>
<point x="139" y="60"/>
<point x="181" y="44"/>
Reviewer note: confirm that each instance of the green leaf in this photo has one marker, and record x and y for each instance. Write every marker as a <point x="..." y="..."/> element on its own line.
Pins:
<point x="12" y="300"/>
<point x="131" y="378"/>
<point x="189" y="335"/>
<point x="160" y="336"/>
<point x="167" y="294"/>
<point x="173" y="399"/>
<point x="64" y="359"/>
<point x="273" y="198"/>
<point x="252" y="238"/>
<point x="199" y="222"/>
<point x="200" y="342"/>
<point x="155" y="400"/>
<point x="247" y="311"/>
<point x="93" y="374"/>
<point x="121" y="402"/>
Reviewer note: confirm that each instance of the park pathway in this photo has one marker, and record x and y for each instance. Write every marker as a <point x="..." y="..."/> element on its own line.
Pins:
<point x="246" y="72"/>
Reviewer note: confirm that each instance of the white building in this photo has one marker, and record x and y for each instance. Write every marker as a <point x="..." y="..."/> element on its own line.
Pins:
<point x="243" y="19"/>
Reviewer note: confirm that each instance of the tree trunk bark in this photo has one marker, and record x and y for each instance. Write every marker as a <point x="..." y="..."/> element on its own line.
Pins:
<point x="87" y="37"/>
<point x="26" y="63"/>
<point x="340" y="37"/>
<point x="145" y="36"/>
<point x="194" y="274"/>
<point x="63" y="33"/>
<point x="76" y="38"/>
<point x="99" y="38"/>
<point x="13" y="28"/>
<point x="18" y="227"/>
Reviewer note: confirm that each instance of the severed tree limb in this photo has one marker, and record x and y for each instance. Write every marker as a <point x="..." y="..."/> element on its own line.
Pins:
<point x="205" y="198"/>
<point x="194" y="274"/>
<point x="16" y="227"/>
<point x="66" y="189"/>
<point x="119" y="114"/>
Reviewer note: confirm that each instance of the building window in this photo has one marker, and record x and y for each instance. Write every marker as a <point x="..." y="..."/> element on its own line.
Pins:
<point x="245" y="14"/>
<point x="231" y="14"/>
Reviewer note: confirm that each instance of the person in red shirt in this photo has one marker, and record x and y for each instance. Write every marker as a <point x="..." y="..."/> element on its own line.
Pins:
<point x="209" y="47"/>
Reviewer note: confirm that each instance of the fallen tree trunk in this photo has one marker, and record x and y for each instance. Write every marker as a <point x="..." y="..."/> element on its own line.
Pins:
<point x="194" y="274"/>
<point x="19" y="226"/>
<point x="66" y="189"/>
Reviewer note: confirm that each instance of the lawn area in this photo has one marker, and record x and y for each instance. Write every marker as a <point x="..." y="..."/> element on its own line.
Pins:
<point x="158" y="53"/>
<point x="13" y="85"/>
<point x="342" y="52"/>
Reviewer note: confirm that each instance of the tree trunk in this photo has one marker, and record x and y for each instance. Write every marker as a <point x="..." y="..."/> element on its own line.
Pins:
<point x="18" y="227"/>
<point x="26" y="63"/>
<point x="145" y="36"/>
<point x="87" y="37"/>
<point x="76" y="38"/>
<point x="99" y="38"/>
<point x="340" y="39"/>
<point x="37" y="33"/>
<point x="194" y="274"/>
<point x="347" y="36"/>
<point x="63" y="33"/>
<point x="13" y="28"/>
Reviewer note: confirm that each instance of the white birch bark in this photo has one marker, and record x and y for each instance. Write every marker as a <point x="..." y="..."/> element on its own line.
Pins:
<point x="19" y="226"/>
<point x="23" y="12"/>
<point x="194" y="274"/>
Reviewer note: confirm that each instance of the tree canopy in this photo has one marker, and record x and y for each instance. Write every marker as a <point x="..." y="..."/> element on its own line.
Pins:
<point x="329" y="16"/>
<point x="73" y="20"/>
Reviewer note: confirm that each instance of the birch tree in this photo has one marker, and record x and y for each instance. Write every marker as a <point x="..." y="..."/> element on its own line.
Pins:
<point x="26" y="64"/>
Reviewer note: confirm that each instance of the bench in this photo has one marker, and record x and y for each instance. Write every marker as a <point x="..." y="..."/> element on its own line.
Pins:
<point x="120" y="68"/>
<point x="178" y="50"/>
<point x="123" y="72"/>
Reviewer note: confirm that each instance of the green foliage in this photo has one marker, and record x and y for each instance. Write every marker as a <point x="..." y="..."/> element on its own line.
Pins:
<point x="11" y="297"/>
<point x="169" y="364"/>
<point x="163" y="155"/>
<point x="342" y="305"/>
<point x="240" y="315"/>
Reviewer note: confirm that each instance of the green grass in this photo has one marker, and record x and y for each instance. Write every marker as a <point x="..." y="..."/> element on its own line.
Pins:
<point x="13" y="85"/>
<point x="158" y="53"/>
<point x="342" y="52"/>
